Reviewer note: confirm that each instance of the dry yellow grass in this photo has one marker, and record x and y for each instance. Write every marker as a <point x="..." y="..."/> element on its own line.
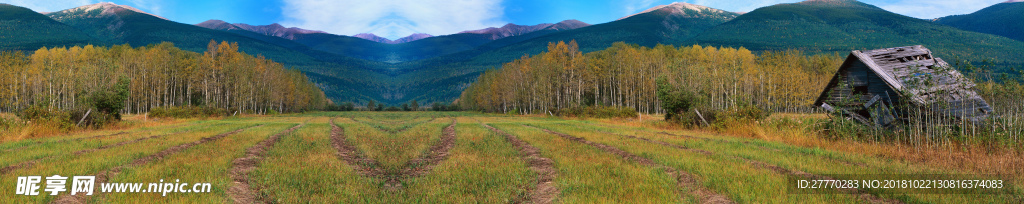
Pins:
<point x="965" y="158"/>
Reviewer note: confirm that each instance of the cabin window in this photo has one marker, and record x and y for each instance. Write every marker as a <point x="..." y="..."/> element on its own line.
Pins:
<point x="860" y="90"/>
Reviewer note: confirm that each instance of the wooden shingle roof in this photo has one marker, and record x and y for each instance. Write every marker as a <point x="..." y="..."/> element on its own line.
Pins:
<point x="913" y="71"/>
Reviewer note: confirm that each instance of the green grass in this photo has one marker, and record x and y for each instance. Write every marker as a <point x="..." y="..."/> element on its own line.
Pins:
<point x="322" y="178"/>
<point x="588" y="175"/>
<point x="482" y="167"/>
<point x="205" y="163"/>
<point x="782" y="155"/>
<point x="95" y="162"/>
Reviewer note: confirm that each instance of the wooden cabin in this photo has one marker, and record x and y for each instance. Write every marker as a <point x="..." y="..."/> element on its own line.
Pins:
<point x="885" y="86"/>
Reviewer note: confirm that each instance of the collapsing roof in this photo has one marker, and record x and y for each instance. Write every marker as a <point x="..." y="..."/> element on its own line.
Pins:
<point x="880" y="86"/>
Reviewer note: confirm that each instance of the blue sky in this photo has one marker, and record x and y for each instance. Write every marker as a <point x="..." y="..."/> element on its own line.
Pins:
<point x="398" y="18"/>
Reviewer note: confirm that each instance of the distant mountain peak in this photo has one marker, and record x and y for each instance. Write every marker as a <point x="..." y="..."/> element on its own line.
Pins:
<point x="567" y="25"/>
<point x="683" y="9"/>
<point x="845" y="3"/>
<point x="375" y="38"/>
<point x="108" y="8"/>
<point x="1013" y="1"/>
<point x="372" y="37"/>
<point x="274" y="29"/>
<point x="218" y="25"/>
<point x="509" y="30"/>
<point x="413" y="37"/>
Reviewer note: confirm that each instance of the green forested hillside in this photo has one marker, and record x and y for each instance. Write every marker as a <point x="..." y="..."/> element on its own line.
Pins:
<point x="116" y="25"/>
<point x="844" y="25"/>
<point x="392" y="53"/>
<point x="665" y="26"/>
<point x="1005" y="19"/>
<point x="442" y="78"/>
<point x="24" y="29"/>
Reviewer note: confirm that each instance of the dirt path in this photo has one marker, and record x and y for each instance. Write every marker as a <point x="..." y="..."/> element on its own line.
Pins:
<point x="242" y="191"/>
<point x="362" y="165"/>
<point x="422" y="165"/>
<point x="33" y="162"/>
<point x="684" y="180"/>
<point x="104" y="176"/>
<point x="867" y="197"/>
<point x="544" y="191"/>
<point x="392" y="179"/>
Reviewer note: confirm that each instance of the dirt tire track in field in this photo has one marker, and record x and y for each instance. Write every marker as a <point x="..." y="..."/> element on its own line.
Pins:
<point x="684" y="180"/>
<point x="242" y="191"/>
<point x="422" y="165"/>
<point x="104" y="176"/>
<point x="545" y="190"/>
<point x="437" y="153"/>
<point x="862" y="195"/>
<point x="33" y="162"/>
<point x="348" y="153"/>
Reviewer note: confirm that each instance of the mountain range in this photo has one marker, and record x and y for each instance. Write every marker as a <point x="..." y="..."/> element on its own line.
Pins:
<point x="436" y="68"/>
<point x="1003" y="19"/>
<point x="275" y="29"/>
<point x="410" y="38"/>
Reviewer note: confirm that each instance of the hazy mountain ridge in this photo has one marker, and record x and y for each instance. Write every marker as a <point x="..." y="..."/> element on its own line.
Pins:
<point x="567" y="25"/>
<point x="276" y="30"/>
<point x="509" y="30"/>
<point x="372" y="37"/>
<point x="412" y="37"/>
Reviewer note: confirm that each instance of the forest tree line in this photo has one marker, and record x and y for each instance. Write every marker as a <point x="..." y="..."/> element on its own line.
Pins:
<point x="625" y="76"/>
<point x="157" y="76"/>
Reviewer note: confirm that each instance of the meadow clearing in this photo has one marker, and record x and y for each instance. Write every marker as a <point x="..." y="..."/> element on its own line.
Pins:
<point x="459" y="157"/>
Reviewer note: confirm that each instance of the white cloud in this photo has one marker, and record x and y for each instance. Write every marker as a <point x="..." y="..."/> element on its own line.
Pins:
<point x="49" y="5"/>
<point x="936" y="8"/>
<point x="740" y="6"/>
<point x="636" y="6"/>
<point x="393" y="18"/>
<point x="150" y="6"/>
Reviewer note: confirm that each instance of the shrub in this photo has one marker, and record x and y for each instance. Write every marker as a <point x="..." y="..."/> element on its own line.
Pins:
<point x="111" y="102"/>
<point x="187" y="112"/>
<point x="9" y="123"/>
<point x="691" y="119"/>
<point x="94" y="119"/>
<point x="675" y="101"/>
<point x="42" y="115"/>
<point x="744" y="114"/>
<point x="599" y="112"/>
